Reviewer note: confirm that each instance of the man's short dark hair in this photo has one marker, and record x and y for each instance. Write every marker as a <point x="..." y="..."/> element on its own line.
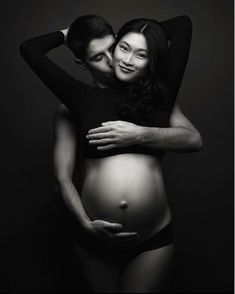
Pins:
<point x="84" y="29"/>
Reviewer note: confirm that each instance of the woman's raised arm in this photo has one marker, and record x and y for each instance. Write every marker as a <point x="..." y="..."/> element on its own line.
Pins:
<point x="179" y="32"/>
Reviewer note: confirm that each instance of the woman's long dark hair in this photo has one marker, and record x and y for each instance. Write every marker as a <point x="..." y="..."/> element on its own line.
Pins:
<point x="148" y="93"/>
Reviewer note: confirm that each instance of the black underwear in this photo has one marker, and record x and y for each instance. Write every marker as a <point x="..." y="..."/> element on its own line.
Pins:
<point x="162" y="238"/>
<point x="121" y="256"/>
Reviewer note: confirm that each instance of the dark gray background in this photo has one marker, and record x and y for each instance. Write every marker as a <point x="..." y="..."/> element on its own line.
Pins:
<point x="199" y="185"/>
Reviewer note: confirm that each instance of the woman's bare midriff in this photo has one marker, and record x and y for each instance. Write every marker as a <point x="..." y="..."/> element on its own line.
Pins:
<point x="127" y="189"/>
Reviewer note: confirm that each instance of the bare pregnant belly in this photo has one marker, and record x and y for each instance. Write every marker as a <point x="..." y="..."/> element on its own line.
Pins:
<point x="126" y="189"/>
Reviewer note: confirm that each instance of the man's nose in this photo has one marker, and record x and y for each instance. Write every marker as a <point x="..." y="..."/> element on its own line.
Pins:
<point x="109" y="58"/>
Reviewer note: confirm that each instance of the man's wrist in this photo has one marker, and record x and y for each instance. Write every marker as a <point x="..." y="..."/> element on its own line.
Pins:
<point x="144" y="135"/>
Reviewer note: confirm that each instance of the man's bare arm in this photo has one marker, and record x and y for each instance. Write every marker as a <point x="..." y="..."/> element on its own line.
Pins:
<point x="64" y="156"/>
<point x="64" y="161"/>
<point x="180" y="136"/>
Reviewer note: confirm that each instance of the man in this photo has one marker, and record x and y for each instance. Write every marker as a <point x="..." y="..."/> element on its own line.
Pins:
<point x="90" y="38"/>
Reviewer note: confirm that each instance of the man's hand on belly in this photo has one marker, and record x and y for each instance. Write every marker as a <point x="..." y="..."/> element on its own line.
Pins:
<point x="114" y="134"/>
<point x="109" y="231"/>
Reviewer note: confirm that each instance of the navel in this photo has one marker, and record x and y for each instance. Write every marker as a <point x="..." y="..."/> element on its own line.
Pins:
<point x="123" y="204"/>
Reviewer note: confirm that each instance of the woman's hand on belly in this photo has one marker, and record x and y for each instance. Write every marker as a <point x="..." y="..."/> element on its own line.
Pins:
<point x="109" y="231"/>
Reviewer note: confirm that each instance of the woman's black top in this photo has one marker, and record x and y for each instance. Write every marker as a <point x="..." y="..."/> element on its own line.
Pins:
<point x="91" y="106"/>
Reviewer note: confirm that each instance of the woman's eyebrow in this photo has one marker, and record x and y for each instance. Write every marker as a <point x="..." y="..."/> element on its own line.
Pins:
<point x="139" y="49"/>
<point x="125" y="43"/>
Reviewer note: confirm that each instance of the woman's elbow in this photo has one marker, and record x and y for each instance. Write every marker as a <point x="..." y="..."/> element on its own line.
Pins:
<point x="196" y="141"/>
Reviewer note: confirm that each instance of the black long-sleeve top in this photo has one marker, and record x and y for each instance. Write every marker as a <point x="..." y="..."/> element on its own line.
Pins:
<point x="91" y="106"/>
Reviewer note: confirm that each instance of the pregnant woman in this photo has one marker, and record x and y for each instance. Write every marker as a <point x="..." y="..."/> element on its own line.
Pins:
<point x="123" y="178"/>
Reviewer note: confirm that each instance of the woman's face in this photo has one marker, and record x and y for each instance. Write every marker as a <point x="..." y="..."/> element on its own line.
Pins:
<point x="130" y="58"/>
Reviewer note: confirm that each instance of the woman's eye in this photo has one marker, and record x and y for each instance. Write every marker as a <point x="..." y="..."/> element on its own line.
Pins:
<point x="141" y="55"/>
<point x="123" y="48"/>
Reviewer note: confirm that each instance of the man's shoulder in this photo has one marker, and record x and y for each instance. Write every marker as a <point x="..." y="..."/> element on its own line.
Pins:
<point x="62" y="109"/>
<point x="62" y="112"/>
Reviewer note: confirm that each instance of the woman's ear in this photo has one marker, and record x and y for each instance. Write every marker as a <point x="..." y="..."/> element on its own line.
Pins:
<point x="80" y="63"/>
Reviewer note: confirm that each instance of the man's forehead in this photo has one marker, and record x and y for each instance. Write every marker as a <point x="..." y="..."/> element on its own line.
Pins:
<point x="99" y="45"/>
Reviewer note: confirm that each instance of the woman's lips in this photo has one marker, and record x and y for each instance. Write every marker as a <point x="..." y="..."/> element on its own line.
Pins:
<point x="126" y="70"/>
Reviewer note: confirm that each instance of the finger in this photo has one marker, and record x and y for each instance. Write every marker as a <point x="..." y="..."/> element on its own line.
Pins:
<point x="108" y="123"/>
<point x="106" y="223"/>
<point x="100" y="141"/>
<point x="106" y="147"/>
<point x="99" y="135"/>
<point x="99" y="130"/>
<point x="113" y="227"/>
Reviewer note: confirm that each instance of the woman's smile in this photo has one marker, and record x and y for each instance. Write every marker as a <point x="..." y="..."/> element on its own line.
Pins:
<point x="130" y="57"/>
<point x="125" y="69"/>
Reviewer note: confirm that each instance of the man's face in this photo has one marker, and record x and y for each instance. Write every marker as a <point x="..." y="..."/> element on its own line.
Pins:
<point x="99" y="59"/>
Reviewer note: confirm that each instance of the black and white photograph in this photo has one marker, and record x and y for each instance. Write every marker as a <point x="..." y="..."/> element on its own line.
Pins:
<point x="117" y="148"/>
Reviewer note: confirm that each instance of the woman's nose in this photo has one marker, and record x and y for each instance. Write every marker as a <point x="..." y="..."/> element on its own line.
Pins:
<point x="128" y="60"/>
